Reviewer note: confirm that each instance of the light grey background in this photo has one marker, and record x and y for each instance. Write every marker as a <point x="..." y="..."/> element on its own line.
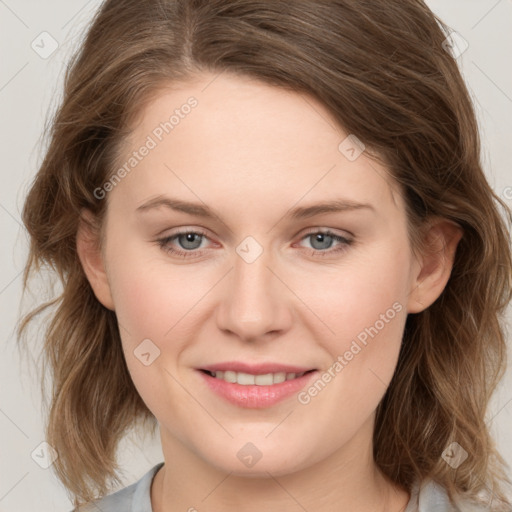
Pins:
<point x="30" y="84"/>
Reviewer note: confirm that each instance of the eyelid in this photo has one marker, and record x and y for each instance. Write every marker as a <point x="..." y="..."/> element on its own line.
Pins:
<point x="343" y="242"/>
<point x="204" y="232"/>
<point x="319" y="229"/>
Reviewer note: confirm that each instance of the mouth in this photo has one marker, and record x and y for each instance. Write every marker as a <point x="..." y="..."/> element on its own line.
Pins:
<point x="250" y="379"/>
<point x="255" y="386"/>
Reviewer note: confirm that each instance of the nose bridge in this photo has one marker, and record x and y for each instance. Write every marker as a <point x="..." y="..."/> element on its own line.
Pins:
<point x="253" y="304"/>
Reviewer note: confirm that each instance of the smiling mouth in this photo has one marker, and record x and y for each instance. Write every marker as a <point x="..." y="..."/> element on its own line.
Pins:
<point x="248" y="379"/>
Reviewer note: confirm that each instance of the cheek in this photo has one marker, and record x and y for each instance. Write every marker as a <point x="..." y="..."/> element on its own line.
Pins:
<point x="151" y="308"/>
<point x="352" y="298"/>
<point x="140" y="303"/>
<point x="151" y="297"/>
<point x="368" y="314"/>
<point x="364" y="306"/>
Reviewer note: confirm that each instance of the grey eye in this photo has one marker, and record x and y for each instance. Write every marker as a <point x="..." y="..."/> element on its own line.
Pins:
<point x="323" y="239"/>
<point x="189" y="240"/>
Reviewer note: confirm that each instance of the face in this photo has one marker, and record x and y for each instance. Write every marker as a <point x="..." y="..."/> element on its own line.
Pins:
<point x="255" y="280"/>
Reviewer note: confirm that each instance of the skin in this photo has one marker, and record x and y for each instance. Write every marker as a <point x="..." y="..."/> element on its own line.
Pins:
<point x="251" y="152"/>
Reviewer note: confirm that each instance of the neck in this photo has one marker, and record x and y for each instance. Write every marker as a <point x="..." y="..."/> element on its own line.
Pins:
<point x="347" y="480"/>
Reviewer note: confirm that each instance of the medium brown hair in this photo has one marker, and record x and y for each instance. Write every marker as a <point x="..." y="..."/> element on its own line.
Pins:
<point x="380" y="68"/>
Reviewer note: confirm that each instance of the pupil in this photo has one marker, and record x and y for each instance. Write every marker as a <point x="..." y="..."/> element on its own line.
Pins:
<point x="321" y="237"/>
<point x="189" y="241"/>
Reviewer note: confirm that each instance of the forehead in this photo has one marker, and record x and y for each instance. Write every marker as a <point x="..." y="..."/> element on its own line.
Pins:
<point x="235" y="137"/>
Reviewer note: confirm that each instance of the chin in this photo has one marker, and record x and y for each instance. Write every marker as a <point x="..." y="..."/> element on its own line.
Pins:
<point x="265" y="466"/>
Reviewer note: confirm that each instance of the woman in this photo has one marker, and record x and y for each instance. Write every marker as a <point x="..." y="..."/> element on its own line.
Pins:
<point x="203" y="154"/>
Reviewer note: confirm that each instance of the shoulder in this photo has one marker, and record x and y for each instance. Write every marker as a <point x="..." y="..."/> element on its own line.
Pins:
<point x="428" y="496"/>
<point x="133" y="498"/>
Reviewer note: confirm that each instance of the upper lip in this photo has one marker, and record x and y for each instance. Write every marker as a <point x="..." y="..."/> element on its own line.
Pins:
<point x="255" y="369"/>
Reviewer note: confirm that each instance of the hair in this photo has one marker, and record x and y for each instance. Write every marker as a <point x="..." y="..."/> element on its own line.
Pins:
<point x="380" y="68"/>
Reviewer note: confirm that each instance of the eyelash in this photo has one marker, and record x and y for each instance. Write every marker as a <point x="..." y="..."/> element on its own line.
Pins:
<point x="163" y="243"/>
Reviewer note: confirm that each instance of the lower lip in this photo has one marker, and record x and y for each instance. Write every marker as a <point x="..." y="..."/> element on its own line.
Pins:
<point x="256" y="397"/>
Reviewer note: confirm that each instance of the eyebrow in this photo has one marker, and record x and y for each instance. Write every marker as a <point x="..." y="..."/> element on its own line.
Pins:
<point x="300" y="212"/>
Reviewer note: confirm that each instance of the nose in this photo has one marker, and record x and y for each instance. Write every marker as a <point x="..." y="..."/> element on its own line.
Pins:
<point x="255" y="301"/>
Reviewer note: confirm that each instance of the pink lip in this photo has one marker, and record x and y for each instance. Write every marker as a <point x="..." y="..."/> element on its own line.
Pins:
<point x="253" y="396"/>
<point x="255" y="369"/>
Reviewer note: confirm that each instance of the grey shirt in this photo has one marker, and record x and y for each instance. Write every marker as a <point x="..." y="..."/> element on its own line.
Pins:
<point x="429" y="497"/>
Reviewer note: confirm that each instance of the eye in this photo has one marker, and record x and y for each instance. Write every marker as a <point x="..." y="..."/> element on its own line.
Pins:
<point x="321" y="240"/>
<point x="190" y="241"/>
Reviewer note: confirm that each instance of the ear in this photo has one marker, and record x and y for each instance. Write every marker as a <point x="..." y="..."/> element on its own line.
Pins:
<point x="435" y="264"/>
<point x="89" y="251"/>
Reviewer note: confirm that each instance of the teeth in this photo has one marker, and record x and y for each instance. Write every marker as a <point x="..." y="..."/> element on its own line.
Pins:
<point x="228" y="376"/>
<point x="264" y="380"/>
<point x="247" y="379"/>
<point x="279" y="377"/>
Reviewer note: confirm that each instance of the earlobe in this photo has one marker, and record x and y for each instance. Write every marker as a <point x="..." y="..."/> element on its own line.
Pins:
<point x="89" y="251"/>
<point x="435" y="265"/>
